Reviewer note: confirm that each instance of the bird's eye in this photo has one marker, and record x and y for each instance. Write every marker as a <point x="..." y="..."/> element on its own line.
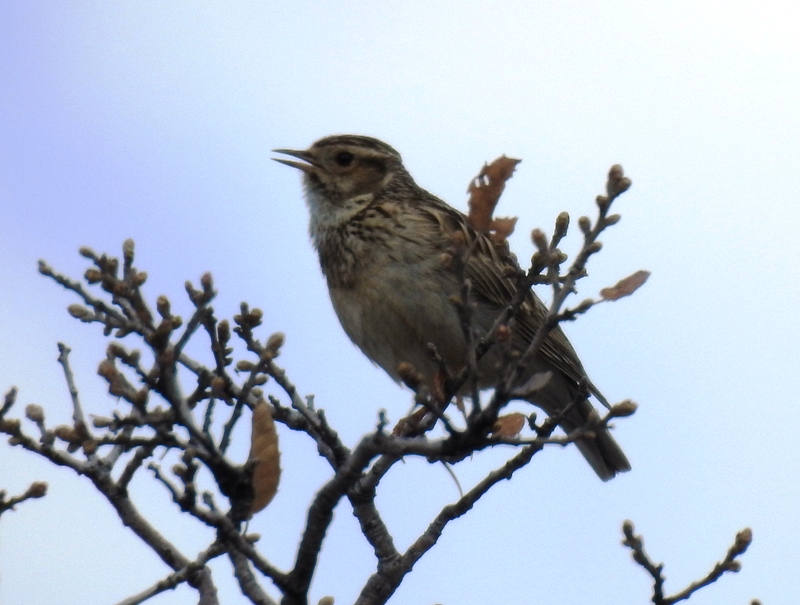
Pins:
<point x="344" y="158"/>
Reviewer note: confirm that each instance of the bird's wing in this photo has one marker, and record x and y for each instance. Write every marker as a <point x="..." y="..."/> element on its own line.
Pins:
<point x="492" y="274"/>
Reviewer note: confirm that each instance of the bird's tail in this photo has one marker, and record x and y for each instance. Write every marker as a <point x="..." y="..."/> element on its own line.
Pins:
<point x="602" y="452"/>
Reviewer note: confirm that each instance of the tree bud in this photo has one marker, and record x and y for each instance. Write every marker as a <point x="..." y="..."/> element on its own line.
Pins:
<point x="101" y="422"/>
<point x="562" y="224"/>
<point x="624" y="408"/>
<point x="743" y="539"/>
<point x="275" y="341"/>
<point x="38" y="489"/>
<point x="127" y="250"/>
<point x="163" y="306"/>
<point x="224" y="331"/>
<point x="65" y="433"/>
<point x="539" y="239"/>
<point x="93" y="276"/>
<point x="34" y="413"/>
<point x="79" y="311"/>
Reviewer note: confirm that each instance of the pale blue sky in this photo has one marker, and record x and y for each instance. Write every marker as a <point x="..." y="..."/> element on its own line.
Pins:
<point x="156" y="120"/>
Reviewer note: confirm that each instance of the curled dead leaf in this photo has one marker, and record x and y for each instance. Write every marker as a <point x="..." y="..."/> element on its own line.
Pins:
<point x="503" y="227"/>
<point x="626" y="286"/>
<point x="266" y="456"/>
<point x="509" y="426"/>
<point x="484" y="194"/>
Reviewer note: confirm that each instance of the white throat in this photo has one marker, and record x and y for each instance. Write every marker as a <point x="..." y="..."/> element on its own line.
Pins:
<point x="327" y="215"/>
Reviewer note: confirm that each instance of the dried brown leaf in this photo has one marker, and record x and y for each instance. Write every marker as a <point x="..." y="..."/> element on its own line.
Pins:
<point x="626" y="286"/>
<point x="264" y="452"/>
<point x="503" y="227"/>
<point x="484" y="194"/>
<point x="509" y="426"/>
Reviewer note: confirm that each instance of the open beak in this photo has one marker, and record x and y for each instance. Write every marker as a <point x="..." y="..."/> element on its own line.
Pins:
<point x="307" y="165"/>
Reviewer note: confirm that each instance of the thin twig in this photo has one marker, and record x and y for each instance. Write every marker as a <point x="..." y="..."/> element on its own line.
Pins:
<point x="179" y="577"/>
<point x="382" y="584"/>
<point x="729" y="564"/>
<point x="38" y="489"/>
<point x="8" y="401"/>
<point x="247" y="581"/>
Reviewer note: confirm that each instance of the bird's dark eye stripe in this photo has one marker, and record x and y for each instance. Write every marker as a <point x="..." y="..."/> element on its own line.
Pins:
<point x="344" y="158"/>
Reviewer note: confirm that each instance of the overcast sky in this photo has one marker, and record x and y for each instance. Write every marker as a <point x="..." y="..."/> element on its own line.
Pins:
<point x="155" y="121"/>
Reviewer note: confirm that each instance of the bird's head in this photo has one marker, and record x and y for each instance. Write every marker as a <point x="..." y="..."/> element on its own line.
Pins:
<point x="341" y="167"/>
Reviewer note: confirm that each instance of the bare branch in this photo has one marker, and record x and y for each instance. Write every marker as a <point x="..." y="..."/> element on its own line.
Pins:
<point x="247" y="581"/>
<point x="177" y="578"/>
<point x="382" y="584"/>
<point x="38" y="489"/>
<point x="63" y="359"/>
<point x="8" y="401"/>
<point x="729" y="564"/>
<point x="186" y="429"/>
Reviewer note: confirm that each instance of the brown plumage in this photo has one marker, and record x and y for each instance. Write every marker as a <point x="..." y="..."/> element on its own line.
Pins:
<point x="380" y="239"/>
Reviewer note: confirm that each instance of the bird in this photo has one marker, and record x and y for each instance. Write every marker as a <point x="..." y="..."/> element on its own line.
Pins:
<point x="381" y="240"/>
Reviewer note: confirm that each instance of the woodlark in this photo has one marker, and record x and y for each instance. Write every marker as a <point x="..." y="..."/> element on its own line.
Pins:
<point x="381" y="240"/>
